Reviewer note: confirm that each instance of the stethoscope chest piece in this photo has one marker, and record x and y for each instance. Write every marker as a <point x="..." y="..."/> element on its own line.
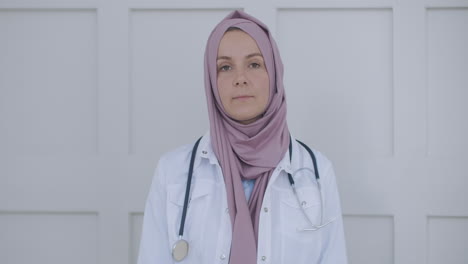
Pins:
<point x="180" y="250"/>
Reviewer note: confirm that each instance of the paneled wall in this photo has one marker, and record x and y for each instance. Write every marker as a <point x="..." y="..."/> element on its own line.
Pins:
<point x="93" y="92"/>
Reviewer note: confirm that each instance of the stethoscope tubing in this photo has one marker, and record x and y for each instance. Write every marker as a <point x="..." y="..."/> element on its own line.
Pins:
<point x="187" y="189"/>
<point x="291" y="181"/>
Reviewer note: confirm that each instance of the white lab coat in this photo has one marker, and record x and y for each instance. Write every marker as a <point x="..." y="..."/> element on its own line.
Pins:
<point x="208" y="225"/>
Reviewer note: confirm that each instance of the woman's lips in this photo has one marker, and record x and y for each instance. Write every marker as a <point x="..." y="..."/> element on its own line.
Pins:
<point x="243" y="97"/>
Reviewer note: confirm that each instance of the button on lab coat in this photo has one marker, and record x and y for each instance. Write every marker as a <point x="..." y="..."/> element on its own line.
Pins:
<point x="208" y="224"/>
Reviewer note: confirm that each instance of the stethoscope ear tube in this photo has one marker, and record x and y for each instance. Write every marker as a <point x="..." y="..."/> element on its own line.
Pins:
<point x="317" y="178"/>
<point x="187" y="188"/>
<point x="181" y="247"/>
<point x="312" y="155"/>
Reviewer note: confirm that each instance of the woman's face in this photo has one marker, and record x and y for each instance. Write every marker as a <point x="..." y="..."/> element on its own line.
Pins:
<point x="243" y="82"/>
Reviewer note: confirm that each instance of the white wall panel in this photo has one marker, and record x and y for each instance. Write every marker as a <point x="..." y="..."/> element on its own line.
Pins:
<point x="447" y="42"/>
<point x="38" y="183"/>
<point x="52" y="238"/>
<point x="369" y="239"/>
<point x="48" y="81"/>
<point x="447" y="240"/>
<point x="136" y="222"/>
<point x="338" y="78"/>
<point x="167" y="84"/>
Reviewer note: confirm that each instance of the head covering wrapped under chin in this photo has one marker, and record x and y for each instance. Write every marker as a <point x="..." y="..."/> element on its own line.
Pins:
<point x="246" y="151"/>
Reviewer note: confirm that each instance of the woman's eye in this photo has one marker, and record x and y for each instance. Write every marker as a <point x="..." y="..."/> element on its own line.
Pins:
<point x="255" y="65"/>
<point x="225" y="68"/>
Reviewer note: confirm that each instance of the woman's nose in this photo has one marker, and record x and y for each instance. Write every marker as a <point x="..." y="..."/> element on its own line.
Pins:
<point x="240" y="79"/>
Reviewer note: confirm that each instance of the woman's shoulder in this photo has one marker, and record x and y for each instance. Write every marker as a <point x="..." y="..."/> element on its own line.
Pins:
<point x="178" y="158"/>
<point x="177" y="155"/>
<point x="171" y="166"/>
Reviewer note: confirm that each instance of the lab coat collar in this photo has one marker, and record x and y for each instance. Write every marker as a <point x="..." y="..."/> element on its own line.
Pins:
<point x="205" y="151"/>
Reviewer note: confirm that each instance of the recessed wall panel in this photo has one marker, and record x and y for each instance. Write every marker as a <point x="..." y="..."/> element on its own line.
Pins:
<point x="447" y="42"/>
<point x="167" y="93"/>
<point x="53" y="238"/>
<point x="369" y="239"/>
<point x="338" y="78"/>
<point x="447" y="238"/>
<point x="136" y="224"/>
<point x="48" y="81"/>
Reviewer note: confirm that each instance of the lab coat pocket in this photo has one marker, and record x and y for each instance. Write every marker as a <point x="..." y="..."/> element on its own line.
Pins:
<point x="196" y="215"/>
<point x="298" y="245"/>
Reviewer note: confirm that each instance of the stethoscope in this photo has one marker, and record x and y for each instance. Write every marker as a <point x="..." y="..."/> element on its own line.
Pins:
<point x="181" y="247"/>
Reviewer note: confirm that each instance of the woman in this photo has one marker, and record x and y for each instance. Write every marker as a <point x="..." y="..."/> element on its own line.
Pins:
<point x="256" y="195"/>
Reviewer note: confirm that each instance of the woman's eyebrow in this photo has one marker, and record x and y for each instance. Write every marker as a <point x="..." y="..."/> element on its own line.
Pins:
<point x="223" y="58"/>
<point x="253" y="55"/>
<point x="248" y="56"/>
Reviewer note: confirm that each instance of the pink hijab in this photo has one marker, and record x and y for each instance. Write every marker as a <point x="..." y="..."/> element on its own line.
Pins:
<point x="246" y="151"/>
